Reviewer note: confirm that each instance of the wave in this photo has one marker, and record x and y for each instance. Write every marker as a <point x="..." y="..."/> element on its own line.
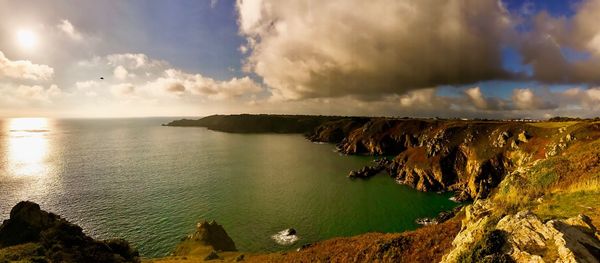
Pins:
<point x="284" y="238"/>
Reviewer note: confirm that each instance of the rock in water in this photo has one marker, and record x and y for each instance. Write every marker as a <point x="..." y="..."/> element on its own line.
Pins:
<point x="60" y="241"/>
<point x="291" y="231"/>
<point x="214" y="235"/>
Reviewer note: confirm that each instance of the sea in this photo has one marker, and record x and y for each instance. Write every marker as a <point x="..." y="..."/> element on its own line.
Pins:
<point x="151" y="184"/>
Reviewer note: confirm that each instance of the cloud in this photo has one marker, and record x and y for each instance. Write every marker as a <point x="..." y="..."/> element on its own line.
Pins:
<point x="84" y="85"/>
<point x="475" y="96"/>
<point x="526" y="99"/>
<point x="564" y="49"/>
<point x="66" y="27"/>
<point x="123" y="90"/>
<point x="149" y="79"/>
<point x="477" y="99"/>
<point x="176" y="88"/>
<point x="177" y="82"/>
<point x="88" y="88"/>
<point x="120" y="72"/>
<point x="24" y="69"/>
<point x="134" y="61"/>
<point x="28" y="94"/>
<point x="307" y="49"/>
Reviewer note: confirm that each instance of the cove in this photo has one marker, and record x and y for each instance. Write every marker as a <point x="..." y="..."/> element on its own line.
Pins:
<point x="134" y="179"/>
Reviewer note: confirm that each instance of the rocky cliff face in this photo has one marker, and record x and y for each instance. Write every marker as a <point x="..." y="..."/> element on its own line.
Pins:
<point x="523" y="237"/>
<point x="56" y="240"/>
<point x="468" y="157"/>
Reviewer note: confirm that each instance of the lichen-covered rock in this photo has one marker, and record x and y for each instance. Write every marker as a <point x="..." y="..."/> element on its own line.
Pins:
<point x="477" y="216"/>
<point x="572" y="240"/>
<point x="527" y="238"/>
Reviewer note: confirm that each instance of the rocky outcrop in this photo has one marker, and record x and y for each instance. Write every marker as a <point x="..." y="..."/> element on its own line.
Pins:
<point x="368" y="171"/>
<point x="525" y="238"/>
<point x="569" y="240"/>
<point x="59" y="240"/>
<point x="209" y="234"/>
<point x="440" y="218"/>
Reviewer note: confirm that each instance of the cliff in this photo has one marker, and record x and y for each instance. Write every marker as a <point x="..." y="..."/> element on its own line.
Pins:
<point x="468" y="157"/>
<point x="246" y="123"/>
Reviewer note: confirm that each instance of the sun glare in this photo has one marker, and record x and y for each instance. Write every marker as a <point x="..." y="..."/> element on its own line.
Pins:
<point x="27" y="39"/>
<point x="28" y="146"/>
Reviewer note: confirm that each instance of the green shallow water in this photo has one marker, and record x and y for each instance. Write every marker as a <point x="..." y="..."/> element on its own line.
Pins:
<point x="149" y="184"/>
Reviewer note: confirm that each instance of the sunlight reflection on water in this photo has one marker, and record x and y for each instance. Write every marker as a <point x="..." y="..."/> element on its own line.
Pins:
<point x="27" y="147"/>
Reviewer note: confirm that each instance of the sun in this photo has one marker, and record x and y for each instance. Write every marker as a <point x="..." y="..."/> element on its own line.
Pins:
<point x="26" y="39"/>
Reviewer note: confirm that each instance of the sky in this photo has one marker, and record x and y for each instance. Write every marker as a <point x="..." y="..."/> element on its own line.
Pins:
<point x="426" y="58"/>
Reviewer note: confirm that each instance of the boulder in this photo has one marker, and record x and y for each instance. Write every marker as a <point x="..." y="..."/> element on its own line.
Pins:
<point x="213" y="234"/>
<point x="291" y="231"/>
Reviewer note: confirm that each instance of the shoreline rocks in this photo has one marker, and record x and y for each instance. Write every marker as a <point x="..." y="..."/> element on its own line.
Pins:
<point x="369" y="171"/>
<point x="440" y="218"/>
<point x="58" y="240"/>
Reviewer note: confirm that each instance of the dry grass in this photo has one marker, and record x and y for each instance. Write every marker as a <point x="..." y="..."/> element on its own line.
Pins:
<point x="552" y="125"/>
<point x="427" y="244"/>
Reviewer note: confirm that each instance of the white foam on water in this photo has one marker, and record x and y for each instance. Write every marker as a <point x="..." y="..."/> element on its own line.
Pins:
<point x="283" y="238"/>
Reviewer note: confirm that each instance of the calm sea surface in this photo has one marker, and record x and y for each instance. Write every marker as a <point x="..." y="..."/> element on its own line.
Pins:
<point x="134" y="179"/>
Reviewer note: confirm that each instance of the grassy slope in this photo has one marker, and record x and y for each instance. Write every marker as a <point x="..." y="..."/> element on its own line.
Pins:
<point x="427" y="244"/>
<point x="560" y="186"/>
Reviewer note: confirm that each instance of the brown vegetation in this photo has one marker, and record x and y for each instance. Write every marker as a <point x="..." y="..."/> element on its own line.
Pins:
<point x="427" y="244"/>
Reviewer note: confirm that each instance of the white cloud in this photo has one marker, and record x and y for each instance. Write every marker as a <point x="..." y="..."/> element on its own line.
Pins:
<point x="88" y="88"/>
<point x="28" y="94"/>
<point x="134" y="61"/>
<point x="123" y="90"/>
<point x="23" y="69"/>
<point x="475" y="95"/>
<point x="120" y="72"/>
<point x="526" y="99"/>
<point x="84" y="85"/>
<point x="177" y="82"/>
<point x="66" y="27"/>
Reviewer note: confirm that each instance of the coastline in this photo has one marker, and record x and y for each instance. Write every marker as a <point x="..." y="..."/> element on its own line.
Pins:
<point x="515" y="173"/>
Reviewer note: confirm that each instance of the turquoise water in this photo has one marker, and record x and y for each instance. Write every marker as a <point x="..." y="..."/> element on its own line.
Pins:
<point x="134" y="179"/>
